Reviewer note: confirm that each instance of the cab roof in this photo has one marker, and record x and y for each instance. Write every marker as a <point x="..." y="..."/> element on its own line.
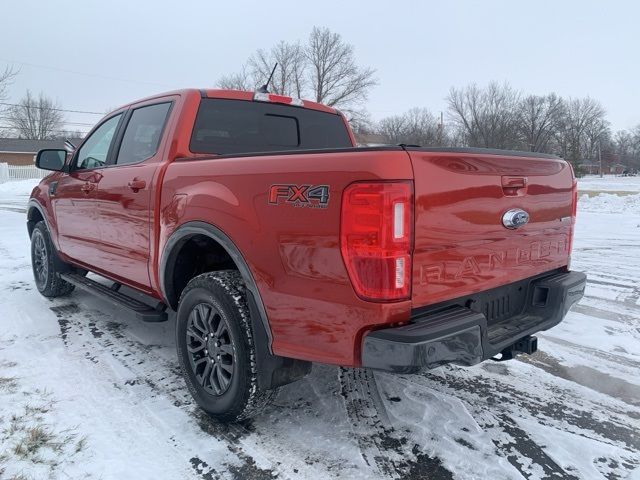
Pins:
<point x="233" y="95"/>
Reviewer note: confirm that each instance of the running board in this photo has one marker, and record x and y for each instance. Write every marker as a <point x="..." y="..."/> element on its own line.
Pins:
<point x="141" y="310"/>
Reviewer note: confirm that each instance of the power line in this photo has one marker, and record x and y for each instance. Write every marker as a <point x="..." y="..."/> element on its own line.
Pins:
<point x="75" y="124"/>
<point x="51" y="108"/>
<point x="67" y="131"/>
<point x="83" y="73"/>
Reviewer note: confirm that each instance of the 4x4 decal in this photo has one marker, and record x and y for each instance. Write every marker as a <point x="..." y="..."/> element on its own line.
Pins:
<point x="312" y="196"/>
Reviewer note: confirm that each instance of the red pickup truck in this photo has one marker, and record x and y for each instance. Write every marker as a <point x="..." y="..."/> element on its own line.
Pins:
<point x="279" y="243"/>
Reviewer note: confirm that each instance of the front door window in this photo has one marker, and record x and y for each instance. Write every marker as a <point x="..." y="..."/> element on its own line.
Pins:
<point x="94" y="151"/>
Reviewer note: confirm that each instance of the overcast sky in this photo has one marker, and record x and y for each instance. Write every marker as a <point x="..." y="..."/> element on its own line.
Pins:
<point x="94" y="55"/>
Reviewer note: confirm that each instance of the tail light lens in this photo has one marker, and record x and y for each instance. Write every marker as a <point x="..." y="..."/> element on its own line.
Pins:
<point x="273" y="98"/>
<point x="376" y="239"/>
<point x="574" y="211"/>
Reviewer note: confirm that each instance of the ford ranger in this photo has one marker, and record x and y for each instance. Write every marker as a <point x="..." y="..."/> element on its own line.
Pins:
<point x="280" y="243"/>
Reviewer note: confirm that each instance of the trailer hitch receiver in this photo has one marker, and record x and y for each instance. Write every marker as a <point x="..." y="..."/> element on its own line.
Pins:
<point x="528" y="345"/>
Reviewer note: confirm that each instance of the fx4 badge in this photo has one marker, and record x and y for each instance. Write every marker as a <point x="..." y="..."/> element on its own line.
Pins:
<point x="311" y="196"/>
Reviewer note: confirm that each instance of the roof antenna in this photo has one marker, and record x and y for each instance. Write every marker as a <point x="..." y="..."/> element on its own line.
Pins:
<point x="264" y="88"/>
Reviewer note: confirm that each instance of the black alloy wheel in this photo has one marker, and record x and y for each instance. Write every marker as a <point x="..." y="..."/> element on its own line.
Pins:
<point x="40" y="260"/>
<point x="211" y="349"/>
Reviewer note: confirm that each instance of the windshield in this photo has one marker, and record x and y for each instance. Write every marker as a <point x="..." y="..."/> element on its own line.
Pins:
<point x="240" y="126"/>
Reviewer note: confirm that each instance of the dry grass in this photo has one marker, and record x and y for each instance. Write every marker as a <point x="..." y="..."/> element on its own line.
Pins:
<point x="28" y="439"/>
<point x="35" y="439"/>
<point x="8" y="384"/>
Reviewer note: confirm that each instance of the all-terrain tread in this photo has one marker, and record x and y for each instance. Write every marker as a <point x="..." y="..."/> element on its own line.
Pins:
<point x="56" y="286"/>
<point x="256" y="399"/>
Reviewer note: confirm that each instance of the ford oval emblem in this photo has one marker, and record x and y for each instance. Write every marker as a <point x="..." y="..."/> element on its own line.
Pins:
<point x="515" y="218"/>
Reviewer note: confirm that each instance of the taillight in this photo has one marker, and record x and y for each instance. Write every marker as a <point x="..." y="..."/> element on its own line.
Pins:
<point x="274" y="98"/>
<point x="376" y="238"/>
<point x="574" y="211"/>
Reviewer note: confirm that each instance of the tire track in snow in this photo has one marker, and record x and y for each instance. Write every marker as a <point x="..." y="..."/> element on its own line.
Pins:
<point x="381" y="446"/>
<point x="81" y="329"/>
<point x="512" y="442"/>
<point x="496" y="406"/>
<point x="592" y="352"/>
<point x="588" y="377"/>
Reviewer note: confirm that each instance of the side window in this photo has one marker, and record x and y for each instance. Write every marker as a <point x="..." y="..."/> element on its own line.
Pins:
<point x="93" y="153"/>
<point x="142" y="136"/>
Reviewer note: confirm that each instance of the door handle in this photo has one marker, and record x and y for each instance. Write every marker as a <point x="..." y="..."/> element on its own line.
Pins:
<point x="87" y="187"/>
<point x="137" y="184"/>
<point x="514" y="186"/>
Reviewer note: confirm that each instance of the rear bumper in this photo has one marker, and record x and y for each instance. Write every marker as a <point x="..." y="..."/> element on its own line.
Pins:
<point x="463" y="336"/>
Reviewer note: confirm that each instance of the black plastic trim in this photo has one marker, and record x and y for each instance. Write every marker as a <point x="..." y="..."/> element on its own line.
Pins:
<point x="33" y="203"/>
<point x="169" y="257"/>
<point x="293" y="152"/>
<point x="141" y="310"/>
<point x="483" y="151"/>
<point x="457" y="334"/>
<point x="273" y="370"/>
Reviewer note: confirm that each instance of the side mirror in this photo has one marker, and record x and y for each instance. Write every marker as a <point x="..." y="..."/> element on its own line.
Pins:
<point x="50" y="159"/>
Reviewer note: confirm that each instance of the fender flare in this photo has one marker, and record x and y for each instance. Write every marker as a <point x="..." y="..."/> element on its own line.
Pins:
<point x="33" y="203"/>
<point x="169" y="256"/>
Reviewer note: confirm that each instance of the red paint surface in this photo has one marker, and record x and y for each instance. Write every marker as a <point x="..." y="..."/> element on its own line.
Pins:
<point x="293" y="253"/>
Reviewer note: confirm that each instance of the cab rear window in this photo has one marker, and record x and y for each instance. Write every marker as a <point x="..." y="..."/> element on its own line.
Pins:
<point x="238" y="126"/>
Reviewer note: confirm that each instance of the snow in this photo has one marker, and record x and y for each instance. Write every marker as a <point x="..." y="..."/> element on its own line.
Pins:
<point x="18" y="187"/>
<point x="610" y="203"/>
<point x="95" y="394"/>
<point x="609" y="183"/>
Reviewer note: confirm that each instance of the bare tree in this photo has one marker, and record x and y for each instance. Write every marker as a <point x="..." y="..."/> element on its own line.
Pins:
<point x="485" y="117"/>
<point x="36" y="118"/>
<point x="635" y="144"/>
<point x="394" y="129"/>
<point x="597" y="137"/>
<point x="288" y="78"/>
<point x="324" y="69"/>
<point x="623" y="145"/>
<point x="537" y="121"/>
<point x="582" y="129"/>
<point x="418" y="126"/>
<point x="334" y="77"/>
<point x="360" y="121"/>
<point x="237" y="81"/>
<point x="6" y="79"/>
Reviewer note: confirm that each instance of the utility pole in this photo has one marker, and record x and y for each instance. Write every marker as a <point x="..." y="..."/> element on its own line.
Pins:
<point x="440" y="129"/>
<point x="600" y="159"/>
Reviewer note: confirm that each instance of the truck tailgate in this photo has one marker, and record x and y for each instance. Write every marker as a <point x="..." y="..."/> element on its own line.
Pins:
<point x="461" y="245"/>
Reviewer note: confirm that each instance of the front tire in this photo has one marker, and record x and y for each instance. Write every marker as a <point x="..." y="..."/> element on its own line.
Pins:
<point x="46" y="264"/>
<point x="216" y="347"/>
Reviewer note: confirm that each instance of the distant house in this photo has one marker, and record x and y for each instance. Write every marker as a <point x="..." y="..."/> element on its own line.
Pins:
<point x="20" y="151"/>
<point x="608" y="168"/>
<point x="589" y="168"/>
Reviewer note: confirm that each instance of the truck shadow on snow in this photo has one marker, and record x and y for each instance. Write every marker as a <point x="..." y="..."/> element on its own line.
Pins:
<point x="352" y="423"/>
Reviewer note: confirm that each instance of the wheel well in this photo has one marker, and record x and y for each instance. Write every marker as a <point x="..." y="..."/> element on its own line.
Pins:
<point x="33" y="217"/>
<point x="192" y="256"/>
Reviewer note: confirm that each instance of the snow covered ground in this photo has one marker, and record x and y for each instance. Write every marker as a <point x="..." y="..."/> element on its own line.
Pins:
<point x="610" y="183"/>
<point x="86" y="391"/>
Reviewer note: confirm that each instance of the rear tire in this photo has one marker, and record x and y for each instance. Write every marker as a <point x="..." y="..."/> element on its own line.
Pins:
<point x="46" y="264"/>
<point x="216" y="349"/>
